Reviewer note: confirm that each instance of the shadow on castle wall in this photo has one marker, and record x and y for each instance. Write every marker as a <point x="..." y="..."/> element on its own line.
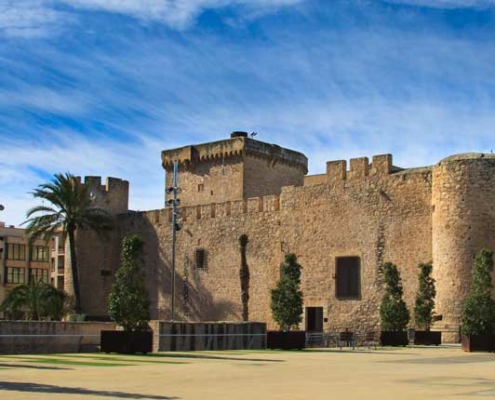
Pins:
<point x="192" y="304"/>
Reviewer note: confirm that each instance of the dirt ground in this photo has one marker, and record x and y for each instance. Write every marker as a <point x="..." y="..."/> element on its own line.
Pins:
<point x="385" y="373"/>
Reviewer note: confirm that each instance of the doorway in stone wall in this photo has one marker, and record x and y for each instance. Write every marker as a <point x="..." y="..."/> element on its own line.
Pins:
<point x="314" y="319"/>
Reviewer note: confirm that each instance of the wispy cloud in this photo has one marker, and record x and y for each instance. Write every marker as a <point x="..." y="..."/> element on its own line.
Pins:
<point x="448" y="4"/>
<point x="30" y="18"/>
<point x="351" y="80"/>
<point x="176" y="13"/>
<point x="40" y="18"/>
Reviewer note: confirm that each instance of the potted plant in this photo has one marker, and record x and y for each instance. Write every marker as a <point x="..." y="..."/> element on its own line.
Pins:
<point x="423" y="308"/>
<point x="128" y="304"/>
<point x="394" y="314"/>
<point x="287" y="307"/>
<point x="478" y="314"/>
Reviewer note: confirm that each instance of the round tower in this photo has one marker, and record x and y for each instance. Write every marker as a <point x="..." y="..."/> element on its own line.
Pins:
<point x="463" y="223"/>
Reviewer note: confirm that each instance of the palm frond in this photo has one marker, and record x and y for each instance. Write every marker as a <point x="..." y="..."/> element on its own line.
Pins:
<point x="70" y="208"/>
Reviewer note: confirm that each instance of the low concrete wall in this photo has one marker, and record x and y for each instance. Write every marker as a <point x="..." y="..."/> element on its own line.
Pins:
<point x="29" y="337"/>
<point x="186" y="336"/>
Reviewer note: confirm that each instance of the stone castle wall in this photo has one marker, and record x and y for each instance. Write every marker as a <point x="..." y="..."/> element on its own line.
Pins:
<point x="212" y="181"/>
<point x="375" y="211"/>
<point x="367" y="216"/>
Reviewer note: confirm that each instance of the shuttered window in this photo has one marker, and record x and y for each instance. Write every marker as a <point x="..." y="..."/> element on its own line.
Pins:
<point x="16" y="251"/>
<point x="348" y="277"/>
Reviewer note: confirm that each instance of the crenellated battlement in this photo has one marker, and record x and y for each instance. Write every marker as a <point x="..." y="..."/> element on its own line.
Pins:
<point x="227" y="209"/>
<point x="111" y="183"/>
<point x="233" y="169"/>
<point x="113" y="196"/>
<point x="231" y="148"/>
<point x="359" y="168"/>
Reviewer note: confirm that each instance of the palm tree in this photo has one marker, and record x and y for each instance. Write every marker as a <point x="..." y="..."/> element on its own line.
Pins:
<point x="71" y="208"/>
<point x="34" y="301"/>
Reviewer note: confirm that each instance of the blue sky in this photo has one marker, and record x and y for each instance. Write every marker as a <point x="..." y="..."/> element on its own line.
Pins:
<point x="100" y="87"/>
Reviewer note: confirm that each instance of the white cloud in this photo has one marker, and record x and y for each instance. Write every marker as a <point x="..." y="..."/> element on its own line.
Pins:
<point x="449" y="4"/>
<point x="40" y="98"/>
<point x="176" y="13"/>
<point x="40" y="18"/>
<point x="30" y="18"/>
<point x="59" y="151"/>
<point x="330" y="94"/>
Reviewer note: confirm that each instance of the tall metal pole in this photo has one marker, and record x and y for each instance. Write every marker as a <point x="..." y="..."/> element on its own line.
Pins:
<point x="174" y="228"/>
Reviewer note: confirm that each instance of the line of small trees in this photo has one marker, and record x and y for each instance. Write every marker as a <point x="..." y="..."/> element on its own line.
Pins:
<point x="287" y="298"/>
<point x="478" y="314"/>
<point x="394" y="314"/>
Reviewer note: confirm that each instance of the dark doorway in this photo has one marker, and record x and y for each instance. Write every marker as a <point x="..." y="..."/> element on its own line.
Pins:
<point x="314" y="319"/>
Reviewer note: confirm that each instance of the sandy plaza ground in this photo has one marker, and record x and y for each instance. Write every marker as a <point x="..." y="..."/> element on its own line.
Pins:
<point x="384" y="373"/>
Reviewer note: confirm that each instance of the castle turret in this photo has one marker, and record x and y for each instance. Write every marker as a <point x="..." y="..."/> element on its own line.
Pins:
<point x="233" y="169"/>
<point x="463" y="222"/>
<point x="112" y="197"/>
<point x="98" y="255"/>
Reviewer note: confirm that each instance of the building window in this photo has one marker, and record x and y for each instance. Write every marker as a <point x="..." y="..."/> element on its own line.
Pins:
<point x="15" y="275"/>
<point x="39" y="253"/>
<point x="200" y="259"/>
<point x="16" y="251"/>
<point x="39" y="275"/>
<point x="348" y="277"/>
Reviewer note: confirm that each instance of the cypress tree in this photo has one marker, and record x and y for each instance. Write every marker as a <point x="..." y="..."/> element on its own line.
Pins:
<point x="128" y="302"/>
<point x="287" y="298"/>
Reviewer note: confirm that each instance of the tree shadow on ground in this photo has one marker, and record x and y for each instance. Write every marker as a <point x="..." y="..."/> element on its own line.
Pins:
<point x="7" y="365"/>
<point x="43" y="388"/>
<point x="211" y="357"/>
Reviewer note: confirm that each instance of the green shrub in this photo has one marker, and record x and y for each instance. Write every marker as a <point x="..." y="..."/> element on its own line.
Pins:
<point x="128" y="302"/>
<point x="425" y="297"/>
<point x="287" y="298"/>
<point x="393" y="310"/>
<point x="478" y="314"/>
<point x="35" y="301"/>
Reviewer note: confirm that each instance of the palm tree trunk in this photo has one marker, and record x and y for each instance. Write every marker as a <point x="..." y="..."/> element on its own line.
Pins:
<point x="74" y="270"/>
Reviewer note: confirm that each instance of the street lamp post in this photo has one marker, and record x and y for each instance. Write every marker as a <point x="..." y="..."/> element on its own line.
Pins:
<point x="174" y="202"/>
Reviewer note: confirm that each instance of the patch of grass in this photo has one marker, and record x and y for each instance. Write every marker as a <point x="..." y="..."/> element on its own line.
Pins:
<point x="116" y="358"/>
<point x="57" y="361"/>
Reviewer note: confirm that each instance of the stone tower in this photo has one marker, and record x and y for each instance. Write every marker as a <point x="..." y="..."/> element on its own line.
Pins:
<point x="98" y="256"/>
<point x="463" y="223"/>
<point x="233" y="169"/>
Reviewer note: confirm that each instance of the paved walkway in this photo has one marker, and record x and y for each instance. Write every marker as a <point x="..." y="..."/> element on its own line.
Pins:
<point x="382" y="374"/>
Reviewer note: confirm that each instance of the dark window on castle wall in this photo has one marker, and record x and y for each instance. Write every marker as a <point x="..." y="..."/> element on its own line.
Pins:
<point x="16" y="251"/>
<point x="200" y="259"/>
<point x="348" y="277"/>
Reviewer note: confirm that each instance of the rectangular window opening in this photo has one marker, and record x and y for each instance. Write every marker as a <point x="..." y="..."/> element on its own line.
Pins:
<point x="348" y="278"/>
<point x="16" y="251"/>
<point x="15" y="275"/>
<point x="200" y="259"/>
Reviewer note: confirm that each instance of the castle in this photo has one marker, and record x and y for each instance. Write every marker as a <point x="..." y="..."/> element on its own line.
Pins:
<point x="342" y="225"/>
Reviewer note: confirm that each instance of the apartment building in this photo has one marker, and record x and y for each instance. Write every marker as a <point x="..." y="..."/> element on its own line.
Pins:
<point x="21" y="263"/>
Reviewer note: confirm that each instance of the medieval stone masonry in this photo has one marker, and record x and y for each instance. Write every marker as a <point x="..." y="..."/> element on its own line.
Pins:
<point x="342" y="225"/>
